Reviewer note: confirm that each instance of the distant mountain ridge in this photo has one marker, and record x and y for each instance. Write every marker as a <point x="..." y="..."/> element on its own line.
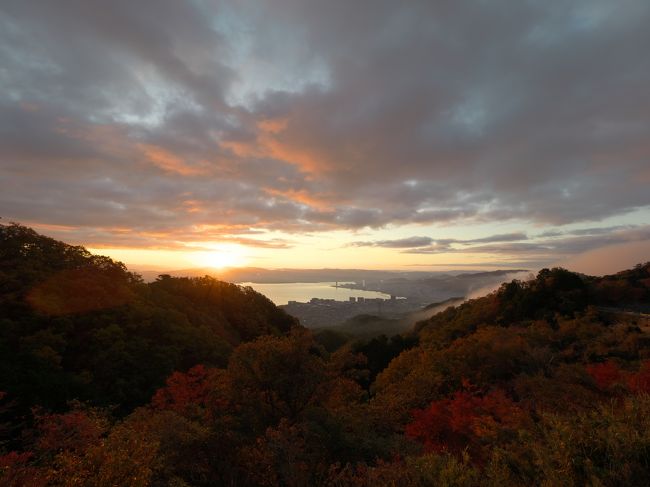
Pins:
<point x="271" y="276"/>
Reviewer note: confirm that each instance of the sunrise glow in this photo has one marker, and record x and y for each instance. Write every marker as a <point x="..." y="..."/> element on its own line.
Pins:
<point x="324" y="243"/>
<point x="219" y="258"/>
<point x="250" y="134"/>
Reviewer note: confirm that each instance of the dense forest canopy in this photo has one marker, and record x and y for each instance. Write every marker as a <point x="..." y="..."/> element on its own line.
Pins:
<point x="106" y="380"/>
<point x="79" y="326"/>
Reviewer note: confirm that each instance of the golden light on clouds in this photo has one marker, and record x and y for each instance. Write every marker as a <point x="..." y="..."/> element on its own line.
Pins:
<point x="242" y="130"/>
<point x="168" y="161"/>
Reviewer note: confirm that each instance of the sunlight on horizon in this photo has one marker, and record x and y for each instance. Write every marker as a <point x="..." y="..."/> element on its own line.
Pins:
<point x="219" y="258"/>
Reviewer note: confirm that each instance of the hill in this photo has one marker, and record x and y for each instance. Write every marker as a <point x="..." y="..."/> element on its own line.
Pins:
<point x="79" y="326"/>
<point x="541" y="382"/>
<point x="262" y="275"/>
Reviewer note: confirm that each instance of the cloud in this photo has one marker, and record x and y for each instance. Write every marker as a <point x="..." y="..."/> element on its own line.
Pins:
<point x="503" y="237"/>
<point x="547" y="249"/>
<point x="587" y="231"/>
<point x="299" y="116"/>
<point x="409" y="242"/>
<point x="419" y="244"/>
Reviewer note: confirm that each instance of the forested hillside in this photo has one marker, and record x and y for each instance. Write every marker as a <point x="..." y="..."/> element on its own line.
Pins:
<point x="543" y="382"/>
<point x="79" y="326"/>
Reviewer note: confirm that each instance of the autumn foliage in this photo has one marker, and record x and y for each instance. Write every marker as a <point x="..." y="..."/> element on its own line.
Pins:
<point x="184" y="391"/>
<point x="196" y="382"/>
<point x="608" y="374"/>
<point x="605" y="374"/>
<point x="466" y="420"/>
<point x="639" y="383"/>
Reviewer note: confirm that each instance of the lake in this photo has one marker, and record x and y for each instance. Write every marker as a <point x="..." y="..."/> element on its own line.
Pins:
<point x="282" y="293"/>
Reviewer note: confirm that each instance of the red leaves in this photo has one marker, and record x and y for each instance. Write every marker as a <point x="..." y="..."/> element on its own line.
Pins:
<point x="605" y="374"/>
<point x="185" y="391"/>
<point x="14" y="459"/>
<point x="608" y="374"/>
<point x="432" y="427"/>
<point x="16" y="471"/>
<point x="464" y="420"/>
<point x="639" y="383"/>
<point x="73" y="431"/>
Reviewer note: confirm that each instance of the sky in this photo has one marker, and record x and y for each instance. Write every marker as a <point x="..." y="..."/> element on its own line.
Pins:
<point x="296" y="133"/>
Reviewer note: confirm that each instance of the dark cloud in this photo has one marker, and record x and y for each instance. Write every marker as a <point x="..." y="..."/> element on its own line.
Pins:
<point x="439" y="245"/>
<point x="547" y="249"/>
<point x="503" y="237"/>
<point x="586" y="231"/>
<point x="165" y="116"/>
<point x="402" y="243"/>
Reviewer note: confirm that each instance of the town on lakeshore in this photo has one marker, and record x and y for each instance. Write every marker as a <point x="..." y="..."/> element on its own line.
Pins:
<point x="327" y="312"/>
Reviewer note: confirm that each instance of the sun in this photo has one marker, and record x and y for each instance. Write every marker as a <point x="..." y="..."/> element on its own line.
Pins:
<point x="221" y="257"/>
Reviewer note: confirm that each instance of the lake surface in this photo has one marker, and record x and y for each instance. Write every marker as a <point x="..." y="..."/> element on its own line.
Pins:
<point x="282" y="293"/>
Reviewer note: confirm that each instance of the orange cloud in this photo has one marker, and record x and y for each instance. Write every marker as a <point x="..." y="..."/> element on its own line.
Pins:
<point x="51" y="227"/>
<point x="305" y="159"/>
<point x="314" y="200"/>
<point x="273" y="125"/>
<point x="192" y="206"/>
<point x="169" y="162"/>
<point x="243" y="149"/>
<point x="268" y="144"/>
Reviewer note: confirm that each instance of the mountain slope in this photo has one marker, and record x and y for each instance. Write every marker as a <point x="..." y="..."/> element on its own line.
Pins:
<point x="542" y="382"/>
<point x="77" y="325"/>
